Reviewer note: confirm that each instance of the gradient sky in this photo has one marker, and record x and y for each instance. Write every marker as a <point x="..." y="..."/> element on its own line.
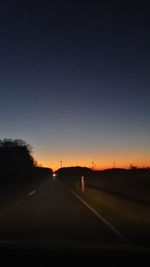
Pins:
<point x="75" y="81"/>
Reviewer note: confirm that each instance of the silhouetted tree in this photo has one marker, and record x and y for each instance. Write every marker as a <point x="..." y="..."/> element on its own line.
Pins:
<point x="15" y="158"/>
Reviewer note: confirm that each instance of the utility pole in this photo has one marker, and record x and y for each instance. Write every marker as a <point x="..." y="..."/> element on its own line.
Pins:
<point x="114" y="164"/>
<point x="93" y="165"/>
<point x="60" y="163"/>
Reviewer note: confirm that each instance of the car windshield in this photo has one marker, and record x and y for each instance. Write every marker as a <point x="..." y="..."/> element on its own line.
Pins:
<point x="74" y="117"/>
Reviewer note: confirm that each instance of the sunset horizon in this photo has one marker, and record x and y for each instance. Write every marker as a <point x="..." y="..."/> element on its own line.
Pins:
<point x="75" y="87"/>
<point x="96" y="165"/>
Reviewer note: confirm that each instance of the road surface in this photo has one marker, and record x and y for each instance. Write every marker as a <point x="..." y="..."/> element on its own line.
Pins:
<point x="53" y="216"/>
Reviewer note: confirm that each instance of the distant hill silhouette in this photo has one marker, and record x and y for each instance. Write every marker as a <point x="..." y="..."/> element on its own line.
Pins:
<point x="73" y="171"/>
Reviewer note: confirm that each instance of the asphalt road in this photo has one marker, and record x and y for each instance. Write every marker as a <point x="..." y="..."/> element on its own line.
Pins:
<point x="52" y="216"/>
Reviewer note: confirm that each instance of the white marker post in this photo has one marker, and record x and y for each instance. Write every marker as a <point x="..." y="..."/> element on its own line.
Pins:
<point x="82" y="184"/>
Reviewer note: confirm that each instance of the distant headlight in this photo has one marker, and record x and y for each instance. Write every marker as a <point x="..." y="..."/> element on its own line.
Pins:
<point x="54" y="174"/>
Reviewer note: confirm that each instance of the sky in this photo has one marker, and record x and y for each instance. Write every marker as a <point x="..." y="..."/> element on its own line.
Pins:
<point x="74" y="81"/>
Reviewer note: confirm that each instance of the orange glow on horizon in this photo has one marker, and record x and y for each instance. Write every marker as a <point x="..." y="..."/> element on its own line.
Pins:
<point x="98" y="164"/>
<point x="103" y="159"/>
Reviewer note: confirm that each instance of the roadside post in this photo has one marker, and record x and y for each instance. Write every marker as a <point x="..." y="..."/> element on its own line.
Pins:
<point x="82" y="184"/>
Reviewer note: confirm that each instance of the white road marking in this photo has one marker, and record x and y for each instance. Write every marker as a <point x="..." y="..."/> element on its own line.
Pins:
<point x="31" y="193"/>
<point x="101" y="218"/>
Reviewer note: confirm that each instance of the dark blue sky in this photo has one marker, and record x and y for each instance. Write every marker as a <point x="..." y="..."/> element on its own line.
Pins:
<point x="74" y="80"/>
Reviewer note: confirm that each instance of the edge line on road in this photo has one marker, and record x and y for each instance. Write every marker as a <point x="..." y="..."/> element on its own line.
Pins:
<point x="31" y="193"/>
<point x="101" y="218"/>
